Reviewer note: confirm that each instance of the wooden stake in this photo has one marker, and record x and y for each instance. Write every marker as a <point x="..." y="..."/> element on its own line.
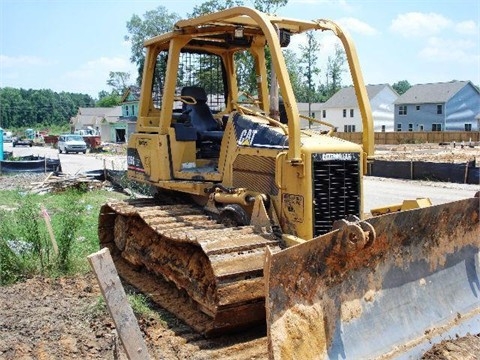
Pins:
<point x="104" y="170"/>
<point x="127" y="326"/>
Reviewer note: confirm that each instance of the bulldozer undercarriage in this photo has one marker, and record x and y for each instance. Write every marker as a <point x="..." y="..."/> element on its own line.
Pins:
<point x="179" y="255"/>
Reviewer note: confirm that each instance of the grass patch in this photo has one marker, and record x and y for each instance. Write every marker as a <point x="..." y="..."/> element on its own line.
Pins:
<point x="140" y="305"/>
<point x="26" y="247"/>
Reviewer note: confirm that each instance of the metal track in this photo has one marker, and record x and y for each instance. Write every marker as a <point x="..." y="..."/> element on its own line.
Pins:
<point x="216" y="271"/>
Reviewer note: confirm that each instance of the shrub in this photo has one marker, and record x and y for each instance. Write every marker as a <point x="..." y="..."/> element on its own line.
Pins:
<point x="26" y="245"/>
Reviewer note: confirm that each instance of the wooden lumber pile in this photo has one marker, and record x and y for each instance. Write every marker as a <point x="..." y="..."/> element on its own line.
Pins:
<point x="61" y="182"/>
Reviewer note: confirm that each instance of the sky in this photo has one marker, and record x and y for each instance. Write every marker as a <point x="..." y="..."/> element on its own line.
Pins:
<point x="72" y="45"/>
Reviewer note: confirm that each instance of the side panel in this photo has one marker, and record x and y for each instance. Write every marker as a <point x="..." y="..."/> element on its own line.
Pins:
<point x="148" y="158"/>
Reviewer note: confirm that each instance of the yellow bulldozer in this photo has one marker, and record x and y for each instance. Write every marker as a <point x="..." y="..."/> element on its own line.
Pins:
<point x="258" y="218"/>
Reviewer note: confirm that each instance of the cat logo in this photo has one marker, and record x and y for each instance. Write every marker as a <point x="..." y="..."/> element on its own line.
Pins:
<point x="246" y="137"/>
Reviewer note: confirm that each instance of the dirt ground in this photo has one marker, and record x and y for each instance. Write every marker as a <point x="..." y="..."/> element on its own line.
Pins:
<point x="66" y="318"/>
<point x="446" y="153"/>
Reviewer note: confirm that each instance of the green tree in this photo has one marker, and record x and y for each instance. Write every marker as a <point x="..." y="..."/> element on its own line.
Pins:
<point x="335" y="68"/>
<point x="310" y="69"/>
<point x="294" y="73"/>
<point x="109" y="100"/>
<point x="401" y="86"/>
<point x="269" y="6"/>
<point x="119" y="81"/>
<point x="211" y="6"/>
<point x="20" y="108"/>
<point x="102" y="94"/>
<point x="154" y="22"/>
<point x="244" y="60"/>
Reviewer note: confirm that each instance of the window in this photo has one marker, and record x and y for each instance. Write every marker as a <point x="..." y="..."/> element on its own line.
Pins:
<point x="126" y="110"/>
<point x="420" y="127"/>
<point x="436" y="127"/>
<point x="439" y="109"/>
<point x="313" y="115"/>
<point x="402" y="110"/>
<point x="468" y="127"/>
<point x="399" y="127"/>
<point x="133" y="110"/>
<point x="351" y="112"/>
<point x="324" y="113"/>
<point x="349" y="128"/>
<point x="383" y="128"/>
<point x="344" y="112"/>
<point x="417" y="107"/>
<point x="410" y="127"/>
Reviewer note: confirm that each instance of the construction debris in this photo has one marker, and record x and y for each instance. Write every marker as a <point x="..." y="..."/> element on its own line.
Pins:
<point x="61" y="182"/>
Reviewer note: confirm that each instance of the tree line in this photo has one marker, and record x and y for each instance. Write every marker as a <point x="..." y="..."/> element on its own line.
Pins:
<point x="22" y="108"/>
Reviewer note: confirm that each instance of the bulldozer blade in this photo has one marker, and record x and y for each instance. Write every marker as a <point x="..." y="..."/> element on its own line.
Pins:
<point x="412" y="281"/>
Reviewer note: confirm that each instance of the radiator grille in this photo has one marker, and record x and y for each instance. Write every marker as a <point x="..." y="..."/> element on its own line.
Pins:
<point x="256" y="173"/>
<point x="336" y="190"/>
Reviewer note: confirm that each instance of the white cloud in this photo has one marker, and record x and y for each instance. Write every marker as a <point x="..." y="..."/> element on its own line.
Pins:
<point x="20" y="61"/>
<point x="450" y="50"/>
<point x="98" y="66"/>
<point x="468" y="27"/>
<point x="415" y="24"/>
<point x="326" y="40"/>
<point x="91" y="77"/>
<point x="354" y="25"/>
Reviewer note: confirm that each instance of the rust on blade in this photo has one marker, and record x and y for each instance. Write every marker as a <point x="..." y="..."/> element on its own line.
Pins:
<point x="325" y="296"/>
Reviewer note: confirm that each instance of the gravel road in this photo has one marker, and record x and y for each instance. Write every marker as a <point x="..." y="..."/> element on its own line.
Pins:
<point x="383" y="191"/>
<point x="72" y="163"/>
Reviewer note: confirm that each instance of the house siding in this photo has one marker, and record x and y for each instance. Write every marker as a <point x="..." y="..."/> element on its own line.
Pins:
<point x="335" y="117"/>
<point x="462" y="109"/>
<point x="129" y="109"/>
<point x="460" y="106"/>
<point x="382" y="109"/>
<point x="426" y="117"/>
<point x="381" y="99"/>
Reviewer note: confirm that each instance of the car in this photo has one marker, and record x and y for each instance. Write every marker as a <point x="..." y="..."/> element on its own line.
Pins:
<point x="71" y="143"/>
<point x="22" y="141"/>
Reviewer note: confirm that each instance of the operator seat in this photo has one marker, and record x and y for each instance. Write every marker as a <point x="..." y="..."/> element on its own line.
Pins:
<point x="200" y="116"/>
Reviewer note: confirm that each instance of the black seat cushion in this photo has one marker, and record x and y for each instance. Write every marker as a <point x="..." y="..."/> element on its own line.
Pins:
<point x="199" y="114"/>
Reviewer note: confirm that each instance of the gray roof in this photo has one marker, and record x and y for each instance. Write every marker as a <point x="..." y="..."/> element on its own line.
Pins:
<point x="100" y="111"/>
<point x="431" y="93"/>
<point x="346" y="97"/>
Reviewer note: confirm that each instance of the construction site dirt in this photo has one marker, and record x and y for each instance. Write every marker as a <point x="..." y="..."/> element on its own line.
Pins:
<point x="64" y="319"/>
